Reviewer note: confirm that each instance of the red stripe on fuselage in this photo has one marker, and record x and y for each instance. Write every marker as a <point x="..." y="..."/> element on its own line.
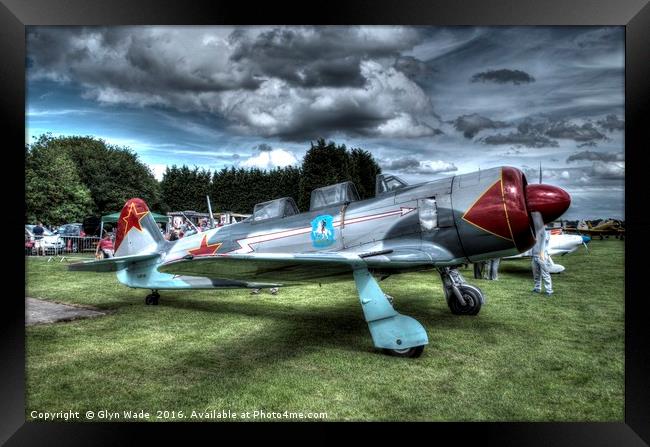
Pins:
<point x="245" y="243"/>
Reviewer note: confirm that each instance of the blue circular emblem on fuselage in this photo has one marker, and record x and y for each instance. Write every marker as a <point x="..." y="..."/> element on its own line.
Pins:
<point x="322" y="231"/>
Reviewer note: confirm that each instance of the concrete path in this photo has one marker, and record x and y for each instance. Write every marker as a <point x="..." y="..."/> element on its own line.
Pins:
<point x="39" y="311"/>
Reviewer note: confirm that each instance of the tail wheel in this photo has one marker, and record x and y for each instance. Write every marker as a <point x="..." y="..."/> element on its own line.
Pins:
<point x="414" y="352"/>
<point x="472" y="302"/>
<point x="152" y="299"/>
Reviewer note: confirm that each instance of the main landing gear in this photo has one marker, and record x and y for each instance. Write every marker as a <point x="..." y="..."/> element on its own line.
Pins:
<point x="152" y="298"/>
<point x="391" y="331"/>
<point x="462" y="298"/>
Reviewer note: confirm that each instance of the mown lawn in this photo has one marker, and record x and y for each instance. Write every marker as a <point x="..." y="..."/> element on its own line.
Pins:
<point x="523" y="358"/>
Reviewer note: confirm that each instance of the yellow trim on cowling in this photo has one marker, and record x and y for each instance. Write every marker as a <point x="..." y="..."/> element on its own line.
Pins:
<point x="474" y="203"/>
<point x="505" y="208"/>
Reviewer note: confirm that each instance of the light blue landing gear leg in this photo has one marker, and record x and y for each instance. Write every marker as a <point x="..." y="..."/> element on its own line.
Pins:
<point x="396" y="333"/>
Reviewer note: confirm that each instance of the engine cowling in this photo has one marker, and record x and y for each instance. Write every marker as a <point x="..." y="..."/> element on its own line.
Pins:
<point x="493" y="211"/>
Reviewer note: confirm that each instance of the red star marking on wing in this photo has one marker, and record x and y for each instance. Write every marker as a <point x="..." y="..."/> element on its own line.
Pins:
<point x="132" y="220"/>
<point x="205" y="249"/>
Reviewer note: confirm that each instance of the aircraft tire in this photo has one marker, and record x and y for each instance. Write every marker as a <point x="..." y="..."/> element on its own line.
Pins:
<point x="152" y="299"/>
<point x="472" y="299"/>
<point x="413" y="353"/>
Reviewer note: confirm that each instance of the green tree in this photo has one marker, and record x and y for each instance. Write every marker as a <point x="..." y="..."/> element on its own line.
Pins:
<point x="326" y="163"/>
<point x="54" y="192"/>
<point x="112" y="174"/>
<point x="184" y="189"/>
<point x="363" y="172"/>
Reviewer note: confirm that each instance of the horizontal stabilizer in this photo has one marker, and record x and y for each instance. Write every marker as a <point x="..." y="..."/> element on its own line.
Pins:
<point x="111" y="264"/>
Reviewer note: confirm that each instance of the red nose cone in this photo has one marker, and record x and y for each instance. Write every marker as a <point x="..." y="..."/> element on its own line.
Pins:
<point x="550" y="201"/>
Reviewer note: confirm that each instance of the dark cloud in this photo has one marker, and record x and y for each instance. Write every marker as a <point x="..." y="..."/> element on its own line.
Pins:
<point x="532" y="140"/>
<point x="596" y="156"/>
<point x="294" y="83"/>
<point x="417" y="70"/>
<point x="264" y="147"/>
<point x="566" y="130"/>
<point x="317" y="56"/>
<point x="611" y="123"/>
<point x="411" y="165"/>
<point x="472" y="124"/>
<point x="588" y="144"/>
<point x="544" y="132"/>
<point x="528" y="134"/>
<point x="503" y="76"/>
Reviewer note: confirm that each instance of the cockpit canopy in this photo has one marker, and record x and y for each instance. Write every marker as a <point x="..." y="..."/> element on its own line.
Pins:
<point x="385" y="183"/>
<point x="283" y="207"/>
<point x="333" y="195"/>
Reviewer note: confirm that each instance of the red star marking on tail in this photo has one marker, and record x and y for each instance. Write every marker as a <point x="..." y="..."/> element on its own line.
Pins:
<point x="132" y="220"/>
<point x="205" y="249"/>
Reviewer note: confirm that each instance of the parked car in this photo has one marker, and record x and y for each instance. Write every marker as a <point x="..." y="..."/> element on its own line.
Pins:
<point x="72" y="229"/>
<point x="53" y="243"/>
<point x="91" y="225"/>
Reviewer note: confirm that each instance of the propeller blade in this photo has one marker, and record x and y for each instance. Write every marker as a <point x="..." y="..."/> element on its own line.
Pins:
<point x="586" y="248"/>
<point x="538" y="223"/>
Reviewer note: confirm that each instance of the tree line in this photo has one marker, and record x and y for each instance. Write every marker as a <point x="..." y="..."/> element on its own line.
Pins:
<point x="70" y="178"/>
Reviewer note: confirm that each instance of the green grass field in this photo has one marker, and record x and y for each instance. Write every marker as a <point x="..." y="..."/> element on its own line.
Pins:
<point x="523" y="358"/>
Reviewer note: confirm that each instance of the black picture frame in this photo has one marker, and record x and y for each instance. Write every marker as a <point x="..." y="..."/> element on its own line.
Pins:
<point x="633" y="14"/>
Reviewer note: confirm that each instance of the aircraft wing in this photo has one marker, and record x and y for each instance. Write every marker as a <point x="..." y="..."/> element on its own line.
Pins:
<point x="273" y="267"/>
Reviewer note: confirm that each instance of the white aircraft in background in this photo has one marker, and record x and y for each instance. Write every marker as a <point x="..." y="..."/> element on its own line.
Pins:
<point x="559" y="244"/>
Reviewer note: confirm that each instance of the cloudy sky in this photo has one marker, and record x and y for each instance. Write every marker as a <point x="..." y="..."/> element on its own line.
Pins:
<point x="428" y="102"/>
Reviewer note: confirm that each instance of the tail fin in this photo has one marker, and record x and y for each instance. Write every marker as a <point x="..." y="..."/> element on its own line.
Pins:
<point x="137" y="231"/>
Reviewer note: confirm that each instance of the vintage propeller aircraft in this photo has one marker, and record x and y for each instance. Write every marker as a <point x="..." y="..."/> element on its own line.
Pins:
<point x="609" y="227"/>
<point x="433" y="225"/>
<point x="559" y="244"/>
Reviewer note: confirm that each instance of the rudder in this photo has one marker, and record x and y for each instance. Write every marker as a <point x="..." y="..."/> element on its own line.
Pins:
<point x="137" y="231"/>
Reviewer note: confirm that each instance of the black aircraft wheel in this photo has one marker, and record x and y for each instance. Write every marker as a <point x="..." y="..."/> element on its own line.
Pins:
<point x="152" y="299"/>
<point x="413" y="353"/>
<point x="472" y="302"/>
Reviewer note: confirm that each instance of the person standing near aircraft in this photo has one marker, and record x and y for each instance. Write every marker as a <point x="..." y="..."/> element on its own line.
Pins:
<point x="493" y="269"/>
<point x="39" y="244"/>
<point x="479" y="267"/>
<point x="540" y="264"/>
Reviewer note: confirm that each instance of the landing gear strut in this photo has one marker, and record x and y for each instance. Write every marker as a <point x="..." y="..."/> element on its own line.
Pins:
<point x="396" y="334"/>
<point x="152" y="298"/>
<point x="462" y="298"/>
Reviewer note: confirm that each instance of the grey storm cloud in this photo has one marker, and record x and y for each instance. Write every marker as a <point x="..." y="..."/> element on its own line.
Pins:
<point x="532" y="140"/>
<point x="472" y="124"/>
<point x="583" y="133"/>
<point x="503" y="76"/>
<point x="419" y="71"/>
<point x="289" y="53"/>
<point x="263" y="147"/>
<point x="611" y="123"/>
<point x="543" y="132"/>
<point x="412" y="165"/>
<point x="293" y="83"/>
<point x="596" y="156"/>
<point x="528" y="134"/>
